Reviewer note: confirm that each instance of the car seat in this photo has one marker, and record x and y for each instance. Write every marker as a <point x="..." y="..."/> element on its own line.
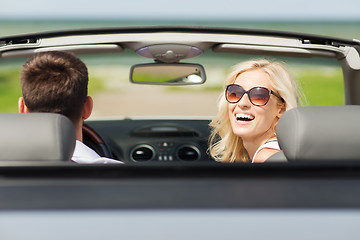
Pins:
<point x="319" y="133"/>
<point x="36" y="137"/>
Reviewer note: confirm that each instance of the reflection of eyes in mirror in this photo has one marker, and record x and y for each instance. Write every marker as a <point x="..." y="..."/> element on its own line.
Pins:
<point x="168" y="74"/>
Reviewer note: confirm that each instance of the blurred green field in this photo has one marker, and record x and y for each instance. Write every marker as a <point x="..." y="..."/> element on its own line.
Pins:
<point x="320" y="87"/>
<point x="10" y="89"/>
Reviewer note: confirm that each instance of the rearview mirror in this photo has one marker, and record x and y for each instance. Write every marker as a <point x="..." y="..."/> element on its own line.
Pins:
<point x="168" y="74"/>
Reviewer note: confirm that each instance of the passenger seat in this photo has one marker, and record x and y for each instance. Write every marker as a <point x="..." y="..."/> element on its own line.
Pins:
<point x="323" y="133"/>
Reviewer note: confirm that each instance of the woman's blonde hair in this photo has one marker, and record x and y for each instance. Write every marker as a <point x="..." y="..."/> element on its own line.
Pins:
<point x="225" y="146"/>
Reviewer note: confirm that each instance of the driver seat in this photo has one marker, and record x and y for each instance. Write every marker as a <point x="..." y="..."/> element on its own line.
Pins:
<point x="36" y="137"/>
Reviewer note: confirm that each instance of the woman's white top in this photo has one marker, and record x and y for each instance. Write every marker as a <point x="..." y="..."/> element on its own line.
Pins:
<point x="272" y="144"/>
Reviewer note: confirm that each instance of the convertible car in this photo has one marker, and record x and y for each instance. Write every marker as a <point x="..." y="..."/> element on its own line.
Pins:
<point x="155" y="90"/>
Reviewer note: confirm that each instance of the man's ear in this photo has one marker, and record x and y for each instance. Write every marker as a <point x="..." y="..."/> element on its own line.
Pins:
<point x="87" y="109"/>
<point x="21" y="106"/>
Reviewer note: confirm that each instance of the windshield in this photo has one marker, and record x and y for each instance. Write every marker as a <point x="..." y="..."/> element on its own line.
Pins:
<point x="319" y="79"/>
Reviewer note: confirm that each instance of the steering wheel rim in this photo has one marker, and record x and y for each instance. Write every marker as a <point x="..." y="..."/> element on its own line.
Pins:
<point x="97" y="139"/>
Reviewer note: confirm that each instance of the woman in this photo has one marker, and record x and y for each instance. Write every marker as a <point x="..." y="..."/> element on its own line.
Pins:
<point x="257" y="93"/>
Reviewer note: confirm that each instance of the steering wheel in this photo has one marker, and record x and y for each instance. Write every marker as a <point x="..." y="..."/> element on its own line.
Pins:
<point x="95" y="141"/>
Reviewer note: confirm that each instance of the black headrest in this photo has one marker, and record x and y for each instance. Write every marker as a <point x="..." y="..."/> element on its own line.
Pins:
<point x="320" y="133"/>
<point x="36" y="136"/>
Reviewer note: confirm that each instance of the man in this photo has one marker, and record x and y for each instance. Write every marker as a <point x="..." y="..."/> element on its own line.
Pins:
<point x="57" y="82"/>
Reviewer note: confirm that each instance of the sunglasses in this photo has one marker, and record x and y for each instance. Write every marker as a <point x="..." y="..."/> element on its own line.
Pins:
<point x="258" y="96"/>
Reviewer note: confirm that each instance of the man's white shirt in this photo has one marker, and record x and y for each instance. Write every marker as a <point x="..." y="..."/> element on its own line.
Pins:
<point x="85" y="155"/>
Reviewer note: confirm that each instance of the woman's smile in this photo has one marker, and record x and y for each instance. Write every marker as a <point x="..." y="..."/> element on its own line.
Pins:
<point x="244" y="117"/>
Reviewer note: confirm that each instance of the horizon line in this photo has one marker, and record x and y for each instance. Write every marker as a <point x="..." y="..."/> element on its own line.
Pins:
<point x="132" y="19"/>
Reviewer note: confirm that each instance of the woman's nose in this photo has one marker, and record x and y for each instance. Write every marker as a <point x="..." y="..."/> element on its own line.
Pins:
<point x="244" y="101"/>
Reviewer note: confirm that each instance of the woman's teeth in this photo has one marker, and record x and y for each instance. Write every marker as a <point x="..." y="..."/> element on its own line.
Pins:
<point x="244" y="117"/>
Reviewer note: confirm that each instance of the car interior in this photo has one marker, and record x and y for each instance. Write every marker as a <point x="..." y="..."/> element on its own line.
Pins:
<point x="168" y="183"/>
<point x="183" y="139"/>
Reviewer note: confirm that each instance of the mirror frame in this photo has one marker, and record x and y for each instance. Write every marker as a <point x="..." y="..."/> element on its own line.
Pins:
<point x="201" y="69"/>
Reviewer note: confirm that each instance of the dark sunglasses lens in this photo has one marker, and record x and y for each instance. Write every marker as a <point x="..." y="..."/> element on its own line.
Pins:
<point x="234" y="93"/>
<point x="259" y="96"/>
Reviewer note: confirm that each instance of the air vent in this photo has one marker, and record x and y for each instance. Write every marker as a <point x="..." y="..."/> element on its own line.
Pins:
<point x="142" y="153"/>
<point x="188" y="153"/>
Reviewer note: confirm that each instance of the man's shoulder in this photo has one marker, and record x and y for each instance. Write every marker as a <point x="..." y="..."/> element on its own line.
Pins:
<point x="85" y="155"/>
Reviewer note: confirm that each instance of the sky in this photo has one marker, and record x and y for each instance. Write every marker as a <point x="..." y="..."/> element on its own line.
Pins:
<point x="183" y="9"/>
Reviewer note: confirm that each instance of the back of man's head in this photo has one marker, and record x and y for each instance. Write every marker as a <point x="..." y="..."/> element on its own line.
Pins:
<point x="55" y="82"/>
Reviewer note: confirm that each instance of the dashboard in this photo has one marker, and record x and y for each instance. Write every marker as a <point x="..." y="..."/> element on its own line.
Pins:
<point x="153" y="140"/>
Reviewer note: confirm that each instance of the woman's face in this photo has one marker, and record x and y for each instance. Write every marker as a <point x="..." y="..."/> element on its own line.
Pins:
<point x="250" y="122"/>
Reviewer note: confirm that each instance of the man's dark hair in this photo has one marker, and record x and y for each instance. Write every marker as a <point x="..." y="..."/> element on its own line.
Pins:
<point x="55" y="82"/>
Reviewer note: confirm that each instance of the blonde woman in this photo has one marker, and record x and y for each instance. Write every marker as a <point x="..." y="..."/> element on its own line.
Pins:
<point x="257" y="93"/>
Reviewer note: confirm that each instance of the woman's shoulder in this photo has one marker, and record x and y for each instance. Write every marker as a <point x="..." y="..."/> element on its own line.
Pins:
<point x="264" y="154"/>
<point x="266" y="150"/>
